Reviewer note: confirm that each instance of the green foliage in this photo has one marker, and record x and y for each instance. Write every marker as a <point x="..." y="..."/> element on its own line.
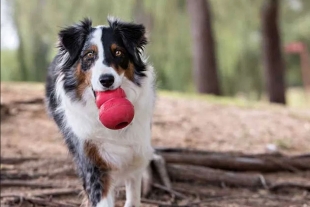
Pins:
<point x="238" y="43"/>
<point x="9" y="66"/>
<point x="236" y="27"/>
<point x="170" y="50"/>
<point x="295" y="27"/>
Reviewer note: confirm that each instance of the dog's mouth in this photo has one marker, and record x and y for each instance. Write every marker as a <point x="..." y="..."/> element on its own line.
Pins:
<point x="107" y="89"/>
<point x="94" y="92"/>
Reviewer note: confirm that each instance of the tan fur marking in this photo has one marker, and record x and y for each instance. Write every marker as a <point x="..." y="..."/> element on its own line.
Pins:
<point x="83" y="79"/>
<point x="119" y="70"/>
<point x="92" y="153"/>
<point x="129" y="72"/>
<point x="94" y="48"/>
<point x="114" y="47"/>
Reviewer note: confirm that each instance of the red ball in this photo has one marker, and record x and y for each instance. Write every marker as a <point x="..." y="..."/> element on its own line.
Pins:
<point x="103" y="96"/>
<point x="115" y="111"/>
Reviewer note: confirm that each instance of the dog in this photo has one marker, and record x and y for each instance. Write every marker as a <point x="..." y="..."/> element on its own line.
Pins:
<point x="101" y="58"/>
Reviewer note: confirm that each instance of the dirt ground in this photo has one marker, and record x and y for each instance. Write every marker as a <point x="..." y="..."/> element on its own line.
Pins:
<point x="26" y="131"/>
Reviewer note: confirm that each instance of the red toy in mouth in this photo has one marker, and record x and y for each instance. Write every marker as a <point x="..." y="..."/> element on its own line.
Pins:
<point x="115" y="111"/>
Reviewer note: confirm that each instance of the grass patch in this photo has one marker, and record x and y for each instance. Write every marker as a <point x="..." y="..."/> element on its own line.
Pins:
<point x="298" y="98"/>
<point x="222" y="100"/>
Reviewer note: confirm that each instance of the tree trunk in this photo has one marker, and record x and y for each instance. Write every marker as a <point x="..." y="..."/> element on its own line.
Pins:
<point x="21" y="48"/>
<point x="205" y="67"/>
<point x="272" y="56"/>
<point x="41" y="48"/>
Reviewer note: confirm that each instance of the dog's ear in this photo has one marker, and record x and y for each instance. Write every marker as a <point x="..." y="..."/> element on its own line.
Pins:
<point x="72" y="38"/>
<point x="133" y="35"/>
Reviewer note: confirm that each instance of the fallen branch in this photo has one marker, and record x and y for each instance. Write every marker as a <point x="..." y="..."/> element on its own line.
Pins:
<point x="159" y="164"/>
<point x="225" y="197"/>
<point x="153" y="202"/>
<point x="236" y="162"/>
<point x="16" y="160"/>
<point x="278" y="186"/>
<point x="173" y="192"/>
<point x="204" y="174"/>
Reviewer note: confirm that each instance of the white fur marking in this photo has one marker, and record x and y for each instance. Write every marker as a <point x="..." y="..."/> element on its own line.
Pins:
<point x="99" y="68"/>
<point x="108" y="201"/>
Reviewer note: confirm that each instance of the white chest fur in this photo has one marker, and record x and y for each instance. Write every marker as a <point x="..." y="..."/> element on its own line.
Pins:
<point x="127" y="149"/>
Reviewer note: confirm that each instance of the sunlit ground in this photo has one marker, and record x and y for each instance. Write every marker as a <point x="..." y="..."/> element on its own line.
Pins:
<point x="296" y="98"/>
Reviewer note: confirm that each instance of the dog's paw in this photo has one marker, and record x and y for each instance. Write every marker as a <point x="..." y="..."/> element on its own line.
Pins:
<point x="129" y="204"/>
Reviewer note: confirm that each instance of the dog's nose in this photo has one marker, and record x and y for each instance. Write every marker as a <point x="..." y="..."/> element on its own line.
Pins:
<point x="106" y="80"/>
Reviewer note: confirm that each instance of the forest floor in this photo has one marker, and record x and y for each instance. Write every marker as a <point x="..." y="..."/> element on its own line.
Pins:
<point x="179" y="121"/>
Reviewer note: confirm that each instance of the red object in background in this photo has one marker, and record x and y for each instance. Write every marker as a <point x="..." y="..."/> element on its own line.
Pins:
<point x="115" y="111"/>
<point x="295" y="47"/>
<point x="301" y="49"/>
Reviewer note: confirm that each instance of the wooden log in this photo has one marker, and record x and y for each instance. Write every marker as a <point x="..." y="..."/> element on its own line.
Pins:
<point x="282" y="185"/>
<point x="220" y="177"/>
<point x="260" y="163"/>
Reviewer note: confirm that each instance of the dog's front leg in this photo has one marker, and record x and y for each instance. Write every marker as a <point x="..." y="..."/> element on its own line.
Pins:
<point x="133" y="190"/>
<point x="107" y="201"/>
<point x="95" y="173"/>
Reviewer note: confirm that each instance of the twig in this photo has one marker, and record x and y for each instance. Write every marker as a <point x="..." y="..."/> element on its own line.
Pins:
<point x="42" y="193"/>
<point x="278" y="186"/>
<point x="16" y="160"/>
<point x="17" y="183"/>
<point x="20" y="175"/>
<point x="307" y="155"/>
<point x="173" y="192"/>
<point x="68" y="170"/>
<point x="31" y="101"/>
<point x="57" y="192"/>
<point x="158" y="203"/>
<point x="39" y="201"/>
<point x="160" y="166"/>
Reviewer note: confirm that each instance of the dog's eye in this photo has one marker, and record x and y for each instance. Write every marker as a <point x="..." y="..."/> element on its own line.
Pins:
<point x="90" y="54"/>
<point x="118" y="53"/>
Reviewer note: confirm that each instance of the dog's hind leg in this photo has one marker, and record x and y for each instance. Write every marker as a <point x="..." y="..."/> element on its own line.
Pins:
<point x="133" y="190"/>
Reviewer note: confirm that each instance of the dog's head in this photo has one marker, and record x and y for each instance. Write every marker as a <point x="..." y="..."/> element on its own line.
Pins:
<point x="101" y="57"/>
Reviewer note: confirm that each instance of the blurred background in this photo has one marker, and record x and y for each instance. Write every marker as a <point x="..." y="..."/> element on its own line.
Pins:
<point x="221" y="64"/>
<point x="246" y="49"/>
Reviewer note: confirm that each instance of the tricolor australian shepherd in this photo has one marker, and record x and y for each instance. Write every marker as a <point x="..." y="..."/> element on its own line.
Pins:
<point x="94" y="59"/>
